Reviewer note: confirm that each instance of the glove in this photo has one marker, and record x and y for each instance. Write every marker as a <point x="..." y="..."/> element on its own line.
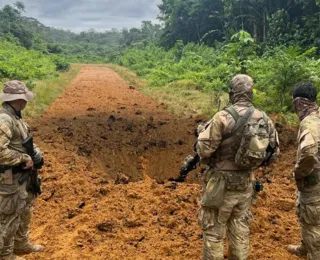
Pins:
<point x="39" y="165"/>
<point x="38" y="159"/>
<point x="201" y="127"/>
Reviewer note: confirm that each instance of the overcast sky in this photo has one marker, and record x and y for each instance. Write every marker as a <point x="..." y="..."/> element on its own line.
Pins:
<point x="101" y="15"/>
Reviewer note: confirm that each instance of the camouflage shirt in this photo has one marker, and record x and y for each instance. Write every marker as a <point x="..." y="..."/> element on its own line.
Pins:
<point x="308" y="156"/>
<point x="13" y="130"/>
<point x="308" y="153"/>
<point x="219" y="126"/>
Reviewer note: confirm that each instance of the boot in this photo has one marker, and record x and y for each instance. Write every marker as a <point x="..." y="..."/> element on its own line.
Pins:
<point x="297" y="250"/>
<point x="212" y="250"/>
<point x="28" y="248"/>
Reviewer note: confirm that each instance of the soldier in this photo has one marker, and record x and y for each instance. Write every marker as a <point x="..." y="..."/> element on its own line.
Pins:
<point x="233" y="143"/>
<point x="15" y="199"/>
<point x="307" y="170"/>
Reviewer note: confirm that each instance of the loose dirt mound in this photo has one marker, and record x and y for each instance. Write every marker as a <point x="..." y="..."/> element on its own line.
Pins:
<point x="109" y="151"/>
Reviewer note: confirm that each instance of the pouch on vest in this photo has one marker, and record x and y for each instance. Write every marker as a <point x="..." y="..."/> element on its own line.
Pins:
<point x="213" y="196"/>
<point x="6" y="177"/>
<point x="236" y="182"/>
<point x="8" y="203"/>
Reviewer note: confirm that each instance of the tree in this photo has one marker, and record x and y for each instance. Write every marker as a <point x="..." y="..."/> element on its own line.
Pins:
<point x="192" y="21"/>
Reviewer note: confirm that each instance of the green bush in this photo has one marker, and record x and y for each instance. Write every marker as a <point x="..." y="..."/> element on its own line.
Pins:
<point x="18" y="63"/>
<point x="61" y="63"/>
<point x="276" y="74"/>
<point x="210" y="69"/>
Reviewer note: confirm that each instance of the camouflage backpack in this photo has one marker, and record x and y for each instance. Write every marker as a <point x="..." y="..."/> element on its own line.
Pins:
<point x="251" y="138"/>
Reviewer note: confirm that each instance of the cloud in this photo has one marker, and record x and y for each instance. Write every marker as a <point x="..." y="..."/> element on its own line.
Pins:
<point x="101" y="15"/>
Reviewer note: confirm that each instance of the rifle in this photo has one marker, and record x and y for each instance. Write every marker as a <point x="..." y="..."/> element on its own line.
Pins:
<point x="35" y="179"/>
<point x="269" y="152"/>
<point x="190" y="163"/>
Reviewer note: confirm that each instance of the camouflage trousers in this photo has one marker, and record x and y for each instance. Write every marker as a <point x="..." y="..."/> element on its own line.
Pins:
<point x="15" y="215"/>
<point x="309" y="218"/>
<point x="232" y="218"/>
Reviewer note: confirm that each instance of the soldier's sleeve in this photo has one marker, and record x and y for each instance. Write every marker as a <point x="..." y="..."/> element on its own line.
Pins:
<point x="307" y="154"/>
<point x="9" y="157"/>
<point x="210" y="137"/>
<point x="37" y="155"/>
<point x="36" y="148"/>
<point x="273" y="141"/>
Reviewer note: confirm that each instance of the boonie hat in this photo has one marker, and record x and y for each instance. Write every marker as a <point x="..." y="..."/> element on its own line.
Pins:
<point x="14" y="90"/>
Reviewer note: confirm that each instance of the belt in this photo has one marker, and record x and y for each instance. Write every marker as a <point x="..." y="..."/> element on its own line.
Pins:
<point x="223" y="173"/>
<point x="15" y="169"/>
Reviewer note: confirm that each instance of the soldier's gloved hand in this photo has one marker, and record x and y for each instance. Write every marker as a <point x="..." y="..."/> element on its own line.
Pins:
<point x="26" y="162"/>
<point x="39" y="164"/>
<point x="38" y="159"/>
<point x="201" y="127"/>
<point x="28" y="165"/>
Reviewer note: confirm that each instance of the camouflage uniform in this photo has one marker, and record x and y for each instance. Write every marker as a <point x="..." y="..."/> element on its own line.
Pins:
<point x="307" y="175"/>
<point x="225" y="207"/>
<point x="15" y="202"/>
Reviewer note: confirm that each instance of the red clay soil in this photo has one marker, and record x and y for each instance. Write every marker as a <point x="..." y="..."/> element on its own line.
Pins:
<point x="109" y="151"/>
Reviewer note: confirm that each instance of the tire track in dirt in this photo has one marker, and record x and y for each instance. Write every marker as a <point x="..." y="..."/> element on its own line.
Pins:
<point x="109" y="151"/>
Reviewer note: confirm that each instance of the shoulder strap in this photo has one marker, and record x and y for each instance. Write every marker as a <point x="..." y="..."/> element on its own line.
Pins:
<point x="265" y="117"/>
<point x="240" y="120"/>
<point x="243" y="120"/>
<point x="232" y="112"/>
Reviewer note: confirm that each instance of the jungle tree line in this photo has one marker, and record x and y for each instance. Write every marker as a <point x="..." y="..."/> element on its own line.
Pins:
<point x="271" y="22"/>
<point x="199" y="43"/>
<point x="32" y="34"/>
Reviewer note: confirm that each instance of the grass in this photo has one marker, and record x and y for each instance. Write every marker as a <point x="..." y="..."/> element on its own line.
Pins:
<point x="48" y="90"/>
<point x="128" y="76"/>
<point x="181" y="97"/>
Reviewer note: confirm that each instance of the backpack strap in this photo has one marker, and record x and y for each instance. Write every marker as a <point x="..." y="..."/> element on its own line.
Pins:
<point x="266" y="120"/>
<point x="243" y="120"/>
<point x="240" y="121"/>
<point x="233" y="113"/>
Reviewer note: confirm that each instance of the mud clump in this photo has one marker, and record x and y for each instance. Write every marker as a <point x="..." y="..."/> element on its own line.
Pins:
<point x="112" y="118"/>
<point x="162" y="144"/>
<point x="81" y="204"/>
<point x="121" y="179"/>
<point x="132" y="223"/>
<point x="108" y="227"/>
<point x="104" y="137"/>
<point x="138" y="112"/>
<point x="84" y="151"/>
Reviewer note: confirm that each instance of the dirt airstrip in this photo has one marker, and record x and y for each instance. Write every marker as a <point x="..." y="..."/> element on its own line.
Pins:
<point x="109" y="151"/>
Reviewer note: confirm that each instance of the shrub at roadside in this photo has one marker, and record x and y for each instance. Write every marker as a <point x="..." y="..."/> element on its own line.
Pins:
<point x="277" y="72"/>
<point x="18" y="63"/>
<point x="210" y="69"/>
